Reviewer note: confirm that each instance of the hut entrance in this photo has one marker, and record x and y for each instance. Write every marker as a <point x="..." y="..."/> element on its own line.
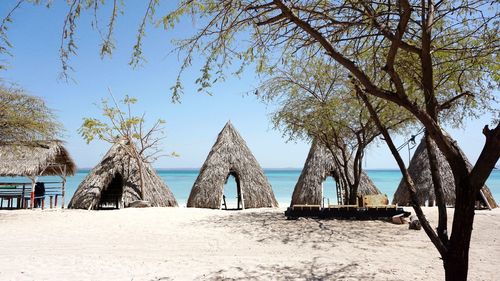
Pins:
<point x="332" y="191"/>
<point x="329" y="192"/>
<point x="232" y="198"/>
<point x="111" y="195"/>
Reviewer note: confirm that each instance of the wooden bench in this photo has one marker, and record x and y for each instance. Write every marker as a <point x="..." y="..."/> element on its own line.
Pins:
<point x="342" y="206"/>
<point x="11" y="192"/>
<point x="53" y="192"/>
<point x="22" y="192"/>
<point x="8" y="192"/>
<point x="306" y="207"/>
<point x="381" y="207"/>
<point x="305" y="210"/>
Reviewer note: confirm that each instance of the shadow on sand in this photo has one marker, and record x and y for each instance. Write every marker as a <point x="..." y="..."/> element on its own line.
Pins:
<point x="272" y="226"/>
<point x="309" y="271"/>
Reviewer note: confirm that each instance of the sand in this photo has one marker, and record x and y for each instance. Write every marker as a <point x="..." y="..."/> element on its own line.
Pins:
<point x="199" y="244"/>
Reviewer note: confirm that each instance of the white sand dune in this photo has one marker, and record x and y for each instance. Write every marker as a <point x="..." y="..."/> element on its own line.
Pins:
<point x="199" y="244"/>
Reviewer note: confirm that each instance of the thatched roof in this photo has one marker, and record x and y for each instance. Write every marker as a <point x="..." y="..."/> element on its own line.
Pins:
<point x="230" y="155"/>
<point x="420" y="173"/>
<point x="44" y="158"/>
<point x="118" y="162"/>
<point x="318" y="166"/>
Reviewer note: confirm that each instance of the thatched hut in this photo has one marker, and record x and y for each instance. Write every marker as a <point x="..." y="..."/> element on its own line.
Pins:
<point x="318" y="166"/>
<point x="231" y="156"/>
<point x="116" y="181"/>
<point x="34" y="159"/>
<point x="420" y="173"/>
<point x="43" y="158"/>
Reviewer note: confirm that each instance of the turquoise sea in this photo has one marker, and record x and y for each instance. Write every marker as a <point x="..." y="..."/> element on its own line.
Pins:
<point x="283" y="181"/>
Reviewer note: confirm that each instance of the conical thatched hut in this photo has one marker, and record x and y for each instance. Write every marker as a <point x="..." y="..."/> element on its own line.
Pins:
<point x="231" y="156"/>
<point x="318" y="166"/>
<point x="420" y="173"/>
<point x="116" y="178"/>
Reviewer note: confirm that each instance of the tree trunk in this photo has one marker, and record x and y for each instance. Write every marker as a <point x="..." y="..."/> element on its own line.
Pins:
<point x="353" y="194"/>
<point x="455" y="267"/>
<point x="442" y="229"/>
<point x="456" y="262"/>
<point x="138" y="158"/>
<point x="141" y="178"/>
<point x="406" y="177"/>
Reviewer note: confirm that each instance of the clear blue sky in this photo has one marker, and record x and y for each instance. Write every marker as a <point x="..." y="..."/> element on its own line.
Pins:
<point x="192" y="126"/>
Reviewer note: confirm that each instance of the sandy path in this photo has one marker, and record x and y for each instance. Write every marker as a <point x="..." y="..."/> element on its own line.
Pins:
<point x="187" y="244"/>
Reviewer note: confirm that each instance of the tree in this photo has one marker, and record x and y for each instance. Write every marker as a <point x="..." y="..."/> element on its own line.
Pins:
<point x="120" y="124"/>
<point x="432" y="59"/>
<point x="4" y="27"/>
<point x="316" y="102"/>
<point x="25" y="118"/>
<point x="436" y="60"/>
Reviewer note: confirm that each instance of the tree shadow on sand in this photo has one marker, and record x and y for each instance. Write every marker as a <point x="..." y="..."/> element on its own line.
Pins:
<point x="308" y="271"/>
<point x="272" y="225"/>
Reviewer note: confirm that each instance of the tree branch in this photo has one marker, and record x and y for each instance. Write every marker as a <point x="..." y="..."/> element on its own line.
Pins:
<point x="406" y="177"/>
<point x="488" y="157"/>
<point x="449" y="103"/>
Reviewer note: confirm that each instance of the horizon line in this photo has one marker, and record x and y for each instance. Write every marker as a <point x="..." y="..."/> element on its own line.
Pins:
<point x="284" y="168"/>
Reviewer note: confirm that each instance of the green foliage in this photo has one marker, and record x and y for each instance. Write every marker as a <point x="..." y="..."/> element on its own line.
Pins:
<point x="464" y="42"/>
<point x="120" y="124"/>
<point x="236" y="34"/>
<point x="5" y="44"/>
<point x="317" y="101"/>
<point x="25" y="118"/>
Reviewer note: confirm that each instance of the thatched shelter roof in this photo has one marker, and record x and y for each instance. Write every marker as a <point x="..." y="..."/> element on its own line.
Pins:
<point x="230" y="155"/>
<point x="318" y="166"/>
<point x="420" y="173"/>
<point x="118" y="163"/>
<point x="43" y="158"/>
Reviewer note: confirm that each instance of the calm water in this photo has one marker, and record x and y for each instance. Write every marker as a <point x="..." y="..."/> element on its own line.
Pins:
<point x="282" y="181"/>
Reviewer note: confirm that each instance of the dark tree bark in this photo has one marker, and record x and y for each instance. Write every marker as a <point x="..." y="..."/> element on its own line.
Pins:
<point x="406" y="176"/>
<point x="455" y="253"/>
<point x="442" y="230"/>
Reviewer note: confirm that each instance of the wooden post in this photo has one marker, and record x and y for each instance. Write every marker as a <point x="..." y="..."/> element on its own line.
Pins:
<point x="32" y="194"/>
<point x="322" y="195"/>
<point x="484" y="199"/>
<point x="339" y="192"/>
<point x="63" y="191"/>
<point x="23" y="202"/>
<point x="51" y="205"/>
<point x="240" y="191"/>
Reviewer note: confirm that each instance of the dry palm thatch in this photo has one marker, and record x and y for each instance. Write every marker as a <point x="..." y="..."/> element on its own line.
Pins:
<point x="231" y="156"/>
<point x="120" y="172"/>
<point x="318" y="166"/>
<point x="43" y="158"/>
<point x="420" y="173"/>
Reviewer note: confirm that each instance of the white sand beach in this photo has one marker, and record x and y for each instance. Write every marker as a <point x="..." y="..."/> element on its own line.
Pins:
<point x="201" y="244"/>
